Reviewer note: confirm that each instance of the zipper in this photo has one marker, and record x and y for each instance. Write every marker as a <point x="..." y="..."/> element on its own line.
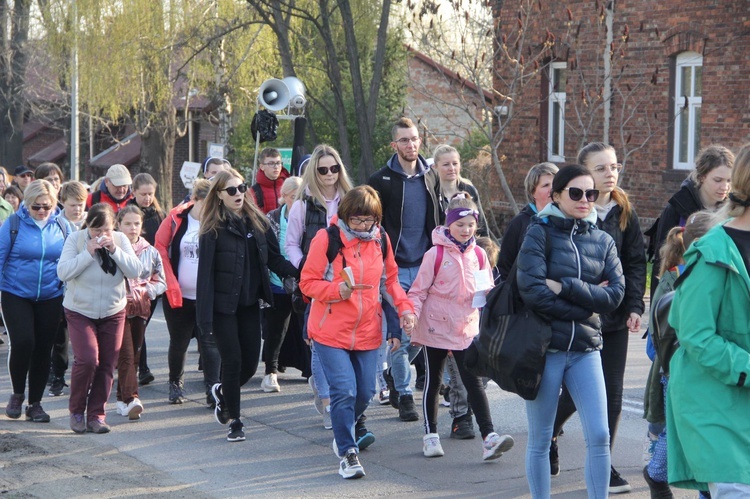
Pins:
<point x="359" y="293"/>
<point x="578" y="262"/>
<point x="401" y="220"/>
<point x="41" y="264"/>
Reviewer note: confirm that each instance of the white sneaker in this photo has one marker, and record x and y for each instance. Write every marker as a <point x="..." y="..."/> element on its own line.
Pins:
<point x="383" y="397"/>
<point x="432" y="447"/>
<point x="350" y="466"/>
<point x="121" y="408"/>
<point x="133" y="410"/>
<point x="494" y="445"/>
<point x="327" y="423"/>
<point x="270" y="383"/>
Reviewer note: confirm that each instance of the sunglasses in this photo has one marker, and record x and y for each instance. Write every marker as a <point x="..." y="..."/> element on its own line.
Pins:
<point x="576" y="194"/>
<point x="37" y="207"/>
<point x="323" y="170"/>
<point x="242" y="188"/>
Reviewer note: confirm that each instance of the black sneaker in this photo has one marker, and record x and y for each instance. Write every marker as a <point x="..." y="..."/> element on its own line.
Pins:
<point x="36" y="414"/>
<point x="175" y="393"/>
<point x="362" y="435"/>
<point x="220" y="412"/>
<point x="210" y="402"/>
<point x="392" y="393"/>
<point x="617" y="484"/>
<point x="56" y="389"/>
<point x="554" y="460"/>
<point x="463" y="429"/>
<point x="659" y="490"/>
<point x="236" y="431"/>
<point x="350" y="467"/>
<point x="145" y="377"/>
<point x="406" y="409"/>
<point x="419" y="383"/>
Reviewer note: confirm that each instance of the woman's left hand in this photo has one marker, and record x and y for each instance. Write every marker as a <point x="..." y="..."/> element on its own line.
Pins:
<point x="634" y="322"/>
<point x="394" y="344"/>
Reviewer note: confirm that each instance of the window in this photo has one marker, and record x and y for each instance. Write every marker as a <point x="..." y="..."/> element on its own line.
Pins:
<point x="558" y="73"/>
<point x="687" y="99"/>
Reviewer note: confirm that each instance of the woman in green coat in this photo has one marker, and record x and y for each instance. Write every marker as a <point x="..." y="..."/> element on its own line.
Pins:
<point x="708" y="402"/>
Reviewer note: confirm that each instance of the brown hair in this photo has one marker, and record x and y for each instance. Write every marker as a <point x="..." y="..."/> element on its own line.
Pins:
<point x="618" y="195"/>
<point x="708" y="158"/>
<point x="214" y="211"/>
<point x="13" y="190"/>
<point x="740" y="194"/>
<point x="43" y="171"/>
<point x="491" y="248"/>
<point x="98" y="215"/>
<point x="73" y="190"/>
<point x="679" y="239"/>
<point x="360" y="201"/>
<point x="402" y="122"/>
<point x="131" y="208"/>
<point x="268" y="152"/>
<point x="146" y="179"/>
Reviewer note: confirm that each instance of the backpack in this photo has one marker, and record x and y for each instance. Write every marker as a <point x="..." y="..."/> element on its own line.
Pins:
<point x="663" y="334"/>
<point x="439" y="258"/>
<point x="299" y="299"/>
<point x="258" y="192"/>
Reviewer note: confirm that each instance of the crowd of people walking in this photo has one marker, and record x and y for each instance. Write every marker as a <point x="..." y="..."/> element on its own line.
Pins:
<point x="350" y="284"/>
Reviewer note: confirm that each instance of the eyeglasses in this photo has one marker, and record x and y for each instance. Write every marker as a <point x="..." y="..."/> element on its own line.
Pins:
<point x="274" y="164"/>
<point x="406" y="140"/>
<point x="242" y="188"/>
<point x="576" y="194"/>
<point x="614" y="167"/>
<point x="361" y="221"/>
<point x="323" y="170"/>
<point x="37" y="207"/>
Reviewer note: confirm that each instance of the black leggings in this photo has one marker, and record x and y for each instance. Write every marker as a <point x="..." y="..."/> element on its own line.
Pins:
<point x="238" y="337"/>
<point x="475" y="390"/>
<point x="275" y="325"/>
<point x="614" y="356"/>
<point x="31" y="329"/>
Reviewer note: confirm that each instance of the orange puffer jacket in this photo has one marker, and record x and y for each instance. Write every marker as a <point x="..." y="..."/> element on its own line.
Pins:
<point x="353" y="324"/>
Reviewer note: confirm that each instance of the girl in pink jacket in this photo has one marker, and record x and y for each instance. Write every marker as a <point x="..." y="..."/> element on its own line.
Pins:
<point x="450" y="287"/>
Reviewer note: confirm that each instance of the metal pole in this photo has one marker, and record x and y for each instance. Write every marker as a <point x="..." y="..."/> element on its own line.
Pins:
<point x="74" y="134"/>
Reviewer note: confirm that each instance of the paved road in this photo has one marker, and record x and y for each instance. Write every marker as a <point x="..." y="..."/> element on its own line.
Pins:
<point x="288" y="453"/>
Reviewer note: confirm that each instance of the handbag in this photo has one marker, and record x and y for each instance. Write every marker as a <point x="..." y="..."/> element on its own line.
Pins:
<point x="138" y="302"/>
<point x="511" y="347"/>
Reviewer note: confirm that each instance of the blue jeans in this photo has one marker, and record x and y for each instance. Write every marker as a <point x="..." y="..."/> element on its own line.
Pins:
<point x="401" y="358"/>
<point x="318" y="373"/>
<point x="351" y="374"/>
<point x="582" y="374"/>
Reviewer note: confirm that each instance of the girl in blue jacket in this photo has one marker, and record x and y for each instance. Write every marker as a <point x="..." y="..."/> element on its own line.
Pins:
<point x="569" y="272"/>
<point x="31" y="294"/>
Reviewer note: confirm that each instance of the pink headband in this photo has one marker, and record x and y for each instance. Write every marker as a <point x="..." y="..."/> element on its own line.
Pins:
<point x="458" y="213"/>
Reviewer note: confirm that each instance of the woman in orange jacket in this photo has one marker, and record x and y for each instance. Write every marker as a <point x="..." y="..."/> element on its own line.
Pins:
<point x="346" y="316"/>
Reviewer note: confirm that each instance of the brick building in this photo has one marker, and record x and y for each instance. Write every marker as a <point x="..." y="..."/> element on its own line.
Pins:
<point x="678" y="74"/>
<point x="437" y="100"/>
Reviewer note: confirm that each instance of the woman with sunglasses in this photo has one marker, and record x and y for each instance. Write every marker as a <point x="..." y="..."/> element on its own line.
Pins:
<point x="236" y="248"/>
<point x="32" y="295"/>
<point x="616" y="217"/>
<point x="569" y="272"/>
<point x="324" y="183"/>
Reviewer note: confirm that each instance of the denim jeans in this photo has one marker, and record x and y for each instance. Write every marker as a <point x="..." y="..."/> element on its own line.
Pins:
<point x="318" y="372"/>
<point x="351" y="374"/>
<point x="582" y="374"/>
<point x="401" y="358"/>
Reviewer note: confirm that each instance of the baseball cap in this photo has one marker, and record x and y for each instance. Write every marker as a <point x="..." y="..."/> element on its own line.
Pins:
<point x="22" y="170"/>
<point x="119" y="175"/>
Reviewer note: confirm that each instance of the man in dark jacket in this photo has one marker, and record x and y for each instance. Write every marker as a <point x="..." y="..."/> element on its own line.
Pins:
<point x="407" y="189"/>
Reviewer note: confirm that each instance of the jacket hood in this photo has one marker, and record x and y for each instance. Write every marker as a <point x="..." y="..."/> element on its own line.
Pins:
<point x="25" y="216"/>
<point x="687" y="200"/>
<point x="715" y="248"/>
<point x="551" y="210"/>
<point x="422" y="166"/>
<point x="264" y="181"/>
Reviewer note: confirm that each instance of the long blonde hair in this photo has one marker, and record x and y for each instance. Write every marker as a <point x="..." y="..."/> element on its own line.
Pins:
<point x="215" y="213"/>
<point x="311" y="179"/>
<point x="619" y="196"/>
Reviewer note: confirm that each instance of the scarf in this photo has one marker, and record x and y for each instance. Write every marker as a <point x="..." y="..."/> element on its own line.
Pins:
<point x="371" y="235"/>
<point x="461" y="246"/>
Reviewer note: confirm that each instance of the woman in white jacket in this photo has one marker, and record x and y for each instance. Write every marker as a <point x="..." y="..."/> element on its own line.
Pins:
<point x="94" y="265"/>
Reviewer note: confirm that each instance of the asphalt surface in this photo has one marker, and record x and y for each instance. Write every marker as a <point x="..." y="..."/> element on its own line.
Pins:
<point x="288" y="452"/>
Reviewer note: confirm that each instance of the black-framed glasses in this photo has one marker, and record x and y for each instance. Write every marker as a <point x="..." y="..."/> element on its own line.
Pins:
<point x="274" y="164"/>
<point x="37" y="207"/>
<point x="323" y="170"/>
<point x="361" y="221"/>
<point x="576" y="194"/>
<point x="614" y="167"/>
<point x="405" y="140"/>
<point x="233" y="190"/>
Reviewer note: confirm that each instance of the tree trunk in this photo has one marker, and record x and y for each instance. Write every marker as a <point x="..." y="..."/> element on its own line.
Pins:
<point x="12" y="79"/>
<point x="157" y="153"/>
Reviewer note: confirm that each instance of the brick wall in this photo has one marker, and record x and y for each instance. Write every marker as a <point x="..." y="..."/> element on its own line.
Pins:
<point x="658" y="31"/>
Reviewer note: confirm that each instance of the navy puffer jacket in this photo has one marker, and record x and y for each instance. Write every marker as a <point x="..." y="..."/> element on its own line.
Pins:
<point x="580" y="257"/>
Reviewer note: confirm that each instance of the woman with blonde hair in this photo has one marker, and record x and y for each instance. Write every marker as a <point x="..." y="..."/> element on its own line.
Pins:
<point x="324" y="184"/>
<point x="237" y="246"/>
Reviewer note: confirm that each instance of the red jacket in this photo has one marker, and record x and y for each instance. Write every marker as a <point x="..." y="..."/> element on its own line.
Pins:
<point x="164" y="243"/>
<point x="353" y="324"/>
<point x="271" y="190"/>
<point x="103" y="196"/>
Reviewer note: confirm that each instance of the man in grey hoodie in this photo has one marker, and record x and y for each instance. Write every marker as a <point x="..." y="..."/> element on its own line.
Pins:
<point x="408" y="192"/>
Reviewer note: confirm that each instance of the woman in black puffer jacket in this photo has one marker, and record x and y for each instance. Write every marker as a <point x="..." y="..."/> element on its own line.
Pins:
<point x="579" y="277"/>
<point x="616" y="217"/>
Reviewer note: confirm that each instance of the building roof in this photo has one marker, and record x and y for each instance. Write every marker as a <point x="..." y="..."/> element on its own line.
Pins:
<point x="126" y="152"/>
<point x="449" y="74"/>
<point x="53" y="153"/>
